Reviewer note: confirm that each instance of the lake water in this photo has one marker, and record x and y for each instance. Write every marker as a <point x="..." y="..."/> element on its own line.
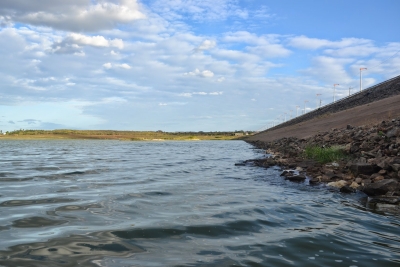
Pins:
<point x="116" y="203"/>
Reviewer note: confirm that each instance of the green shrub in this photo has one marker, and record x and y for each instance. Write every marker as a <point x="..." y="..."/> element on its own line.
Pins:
<point x="324" y="154"/>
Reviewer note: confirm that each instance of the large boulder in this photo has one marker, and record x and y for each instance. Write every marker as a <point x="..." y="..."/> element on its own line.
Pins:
<point x="380" y="188"/>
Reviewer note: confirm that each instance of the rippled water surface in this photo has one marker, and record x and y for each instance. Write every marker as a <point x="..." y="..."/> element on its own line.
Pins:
<point x="113" y="203"/>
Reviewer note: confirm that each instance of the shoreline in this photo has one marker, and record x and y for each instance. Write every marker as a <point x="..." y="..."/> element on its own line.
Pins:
<point x="371" y="163"/>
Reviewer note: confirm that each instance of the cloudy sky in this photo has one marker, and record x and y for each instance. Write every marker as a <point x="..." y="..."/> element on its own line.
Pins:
<point x="186" y="65"/>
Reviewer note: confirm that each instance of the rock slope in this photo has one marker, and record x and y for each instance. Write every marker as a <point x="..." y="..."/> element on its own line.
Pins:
<point x="371" y="163"/>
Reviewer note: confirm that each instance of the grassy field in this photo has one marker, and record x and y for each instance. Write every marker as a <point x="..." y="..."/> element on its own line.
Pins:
<point x="120" y="135"/>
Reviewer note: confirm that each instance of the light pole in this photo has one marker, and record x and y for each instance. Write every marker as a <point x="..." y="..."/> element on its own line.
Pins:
<point x="334" y="89"/>
<point x="291" y="114"/>
<point x="305" y="101"/>
<point x="350" y="89"/>
<point x="361" y="69"/>
<point x="297" y="111"/>
<point x="318" y="101"/>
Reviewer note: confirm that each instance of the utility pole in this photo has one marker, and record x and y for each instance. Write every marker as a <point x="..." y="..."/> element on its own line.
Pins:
<point x="334" y="89"/>
<point x="361" y="69"/>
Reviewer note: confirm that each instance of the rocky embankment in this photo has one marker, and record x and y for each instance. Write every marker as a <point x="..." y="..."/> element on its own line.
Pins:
<point x="371" y="163"/>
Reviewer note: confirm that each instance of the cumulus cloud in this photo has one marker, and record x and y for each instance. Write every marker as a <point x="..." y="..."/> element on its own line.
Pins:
<point x="73" y="43"/>
<point x="331" y="70"/>
<point x="109" y="65"/>
<point x="198" y="73"/>
<point x="72" y="15"/>
<point x="206" y="45"/>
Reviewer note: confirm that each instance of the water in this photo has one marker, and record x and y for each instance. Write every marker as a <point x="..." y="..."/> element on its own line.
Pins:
<point x="115" y="203"/>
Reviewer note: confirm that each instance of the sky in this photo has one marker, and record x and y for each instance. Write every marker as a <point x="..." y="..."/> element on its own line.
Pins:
<point x="187" y="65"/>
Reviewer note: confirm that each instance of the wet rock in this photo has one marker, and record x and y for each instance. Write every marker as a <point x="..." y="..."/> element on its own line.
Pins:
<point x="315" y="180"/>
<point x="347" y="189"/>
<point x="392" y="200"/>
<point x="381" y="187"/>
<point x="296" y="178"/>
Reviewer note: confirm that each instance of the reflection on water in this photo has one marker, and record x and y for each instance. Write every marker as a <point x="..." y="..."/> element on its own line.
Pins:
<point x="110" y="203"/>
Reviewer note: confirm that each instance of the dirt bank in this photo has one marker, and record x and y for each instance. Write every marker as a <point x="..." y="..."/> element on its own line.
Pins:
<point x="369" y="114"/>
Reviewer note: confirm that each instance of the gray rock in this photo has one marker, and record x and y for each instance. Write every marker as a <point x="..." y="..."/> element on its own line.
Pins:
<point x="361" y="168"/>
<point x="381" y="187"/>
<point x="393" y="132"/>
<point x="395" y="167"/>
<point x="296" y="178"/>
<point x="347" y="189"/>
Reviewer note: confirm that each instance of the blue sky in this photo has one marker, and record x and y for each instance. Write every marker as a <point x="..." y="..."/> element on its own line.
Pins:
<point x="186" y="65"/>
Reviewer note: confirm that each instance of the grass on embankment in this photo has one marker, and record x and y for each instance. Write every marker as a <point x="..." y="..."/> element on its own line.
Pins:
<point x="324" y="154"/>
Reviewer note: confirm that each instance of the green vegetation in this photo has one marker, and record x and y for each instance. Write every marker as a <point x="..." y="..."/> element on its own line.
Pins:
<point x="119" y="135"/>
<point x="324" y="154"/>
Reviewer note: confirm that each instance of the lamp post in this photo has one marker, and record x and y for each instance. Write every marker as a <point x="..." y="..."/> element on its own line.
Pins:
<point x="334" y="89"/>
<point x="305" y="101"/>
<point x="318" y="101"/>
<point x="361" y="69"/>
<point x="350" y="89"/>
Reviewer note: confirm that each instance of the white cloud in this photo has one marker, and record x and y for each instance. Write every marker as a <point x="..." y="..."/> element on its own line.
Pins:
<point x="200" y="93"/>
<point x="262" y="46"/>
<point x="96" y="41"/>
<point x="305" y="42"/>
<point x="124" y="66"/>
<point x="329" y="69"/>
<point x="206" y="45"/>
<point x="73" y="43"/>
<point x="72" y="15"/>
<point x="216" y="93"/>
<point x="198" y="73"/>
<point x="109" y="65"/>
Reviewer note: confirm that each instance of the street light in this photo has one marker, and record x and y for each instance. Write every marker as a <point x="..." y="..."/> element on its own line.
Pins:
<point x="361" y="69"/>
<point x="334" y="87"/>
<point x="305" y="101"/>
<point x="318" y="101"/>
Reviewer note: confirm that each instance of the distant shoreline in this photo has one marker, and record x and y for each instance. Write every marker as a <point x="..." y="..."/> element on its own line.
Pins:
<point x="120" y="135"/>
